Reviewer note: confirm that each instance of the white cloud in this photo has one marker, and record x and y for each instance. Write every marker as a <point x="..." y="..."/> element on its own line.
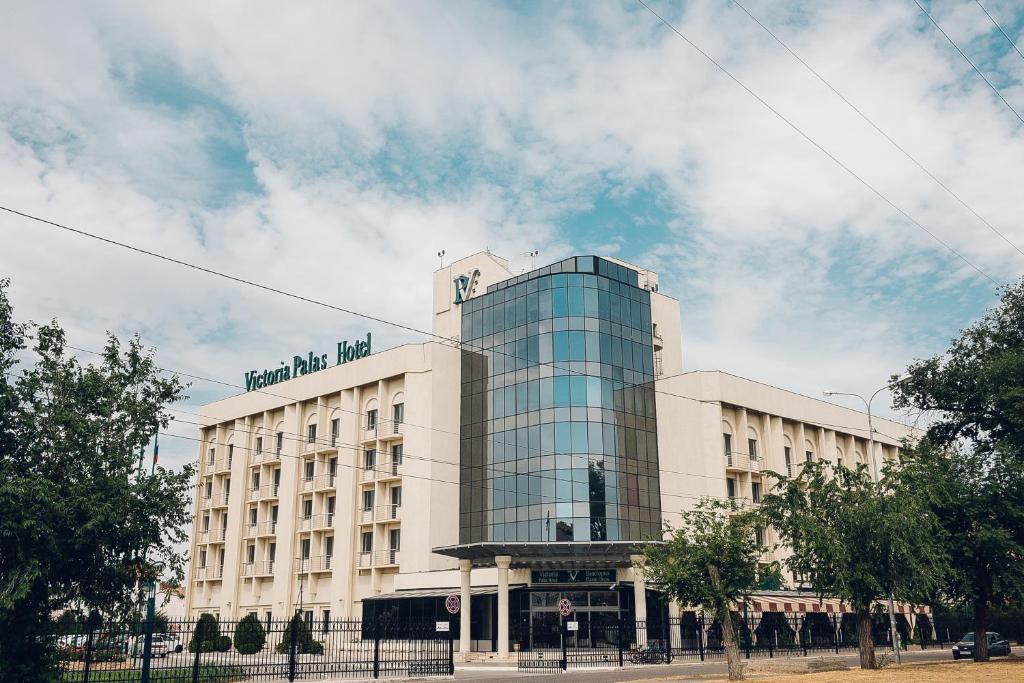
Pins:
<point x="373" y="135"/>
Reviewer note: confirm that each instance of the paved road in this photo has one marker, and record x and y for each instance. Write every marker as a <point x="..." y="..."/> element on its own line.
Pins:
<point x="689" y="671"/>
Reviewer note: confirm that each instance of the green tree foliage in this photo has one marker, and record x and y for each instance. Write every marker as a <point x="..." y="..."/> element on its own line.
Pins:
<point x="710" y="560"/>
<point x="857" y="539"/>
<point x="249" y="635"/>
<point x="304" y="643"/>
<point x="206" y="635"/>
<point x="79" y="521"/>
<point x="769" y="578"/>
<point x="971" y="462"/>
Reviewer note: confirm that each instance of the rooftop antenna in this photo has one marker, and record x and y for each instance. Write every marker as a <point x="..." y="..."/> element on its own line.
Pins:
<point x="440" y="255"/>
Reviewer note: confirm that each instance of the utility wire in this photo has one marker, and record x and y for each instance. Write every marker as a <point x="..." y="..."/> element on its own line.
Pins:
<point x="973" y="65"/>
<point x="864" y="116"/>
<point x="996" y="24"/>
<point x="813" y="142"/>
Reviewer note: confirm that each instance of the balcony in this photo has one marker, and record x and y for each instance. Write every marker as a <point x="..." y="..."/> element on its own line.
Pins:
<point x="203" y="537"/>
<point x="200" y="573"/>
<point x="217" y="535"/>
<point x="264" y="568"/>
<point x="390" y="469"/>
<point x="365" y="560"/>
<point x="221" y="500"/>
<point x="320" y="563"/>
<point x="302" y="564"/>
<point x="385" y="558"/>
<point x="366" y="516"/>
<point x="222" y="465"/>
<point x="323" y="521"/>
<point x="205" y="502"/>
<point x="268" y="528"/>
<point x="369" y="435"/>
<point x="388" y="513"/>
<point x="250" y="530"/>
<point x="325" y="482"/>
<point x="249" y="569"/>
<point x="369" y="473"/>
<point x="269" y="491"/>
<point x="305" y="523"/>
<point x="255" y="457"/>
<point x="738" y="462"/>
<point x="743" y="503"/>
<point x="307" y="483"/>
<point x="215" y="572"/>
<point x="391" y="430"/>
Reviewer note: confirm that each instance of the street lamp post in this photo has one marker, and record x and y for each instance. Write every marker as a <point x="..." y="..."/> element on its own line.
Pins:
<point x="893" y="634"/>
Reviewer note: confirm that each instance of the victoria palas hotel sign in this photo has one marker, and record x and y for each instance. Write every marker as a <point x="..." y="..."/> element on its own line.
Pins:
<point x="304" y="365"/>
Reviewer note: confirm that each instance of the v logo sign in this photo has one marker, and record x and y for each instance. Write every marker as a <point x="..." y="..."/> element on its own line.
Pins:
<point x="464" y="285"/>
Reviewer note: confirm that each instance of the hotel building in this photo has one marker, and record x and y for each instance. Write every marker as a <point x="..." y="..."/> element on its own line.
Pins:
<point x="519" y="463"/>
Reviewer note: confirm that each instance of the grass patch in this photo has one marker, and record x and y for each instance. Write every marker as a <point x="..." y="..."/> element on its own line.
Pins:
<point x="207" y="674"/>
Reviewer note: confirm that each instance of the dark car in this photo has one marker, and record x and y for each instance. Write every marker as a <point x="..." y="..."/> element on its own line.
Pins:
<point x="997" y="646"/>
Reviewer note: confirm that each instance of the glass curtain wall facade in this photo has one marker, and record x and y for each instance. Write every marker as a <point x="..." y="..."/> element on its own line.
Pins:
<point x="559" y="431"/>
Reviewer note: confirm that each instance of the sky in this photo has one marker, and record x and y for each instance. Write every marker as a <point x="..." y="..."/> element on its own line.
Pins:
<point x="332" y="149"/>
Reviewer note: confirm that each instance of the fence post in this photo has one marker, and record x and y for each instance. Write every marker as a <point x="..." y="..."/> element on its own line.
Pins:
<point x="806" y="631"/>
<point x="700" y="635"/>
<point x="88" y="656"/>
<point x="147" y="647"/>
<point x="199" y="648"/>
<point x="451" y="650"/>
<point x="565" y="658"/>
<point x="835" y="633"/>
<point x="619" y="639"/>
<point x="293" y="640"/>
<point x="668" y="641"/>
<point x="376" y="651"/>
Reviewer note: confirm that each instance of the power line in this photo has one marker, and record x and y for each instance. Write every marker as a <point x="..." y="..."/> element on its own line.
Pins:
<point x="864" y="116"/>
<point x="996" y="24"/>
<point x="973" y="65"/>
<point x="813" y="142"/>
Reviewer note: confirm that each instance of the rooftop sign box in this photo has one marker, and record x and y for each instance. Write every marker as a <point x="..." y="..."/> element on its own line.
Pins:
<point x="304" y="365"/>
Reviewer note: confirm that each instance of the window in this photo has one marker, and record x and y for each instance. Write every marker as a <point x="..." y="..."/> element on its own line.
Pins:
<point x="206" y="522"/>
<point x="330" y="505"/>
<point x="210" y="456"/>
<point x="311" y="433"/>
<point x="730" y="487"/>
<point x="308" y="617"/>
<point x="809" y="455"/>
<point x="267" y="618"/>
<point x="755" y="491"/>
<point x="273" y="514"/>
<point x="369" y="459"/>
<point x="335" y="430"/>
<point x="259" y="445"/>
<point x="366" y="543"/>
<point x="398" y="413"/>
<point x="332" y="466"/>
<point x="231" y="453"/>
<point x="327" y="620"/>
<point x="280" y="442"/>
<point x="759" y="536"/>
<point x="307" y="508"/>
<point x="305" y="548"/>
<point x="202" y="558"/>
<point x="788" y="455"/>
<point x="727" y="442"/>
<point x="396" y="496"/>
<point x="250" y="553"/>
<point x="308" y="471"/>
<point x="371" y="419"/>
<point x="252" y="516"/>
<point x="396" y="454"/>
<point x="329" y="546"/>
<point x="395" y="539"/>
<point x="255" y="481"/>
<point x="272" y="552"/>
<point x="367" y="500"/>
<point x="277" y="478"/>
<point x="209" y="488"/>
<point x="752" y="448"/>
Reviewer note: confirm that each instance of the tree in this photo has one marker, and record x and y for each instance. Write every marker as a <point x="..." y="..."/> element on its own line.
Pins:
<point x="81" y="525"/>
<point x="856" y="539"/>
<point x="207" y="636"/>
<point x="709" y="560"/>
<point x="973" y="396"/>
<point x="769" y="578"/>
<point x="249" y="635"/>
<point x="304" y="643"/>
<point x="978" y="499"/>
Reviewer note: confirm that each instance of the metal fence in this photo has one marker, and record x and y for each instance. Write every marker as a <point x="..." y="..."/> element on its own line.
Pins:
<point x="697" y="637"/>
<point x="197" y="651"/>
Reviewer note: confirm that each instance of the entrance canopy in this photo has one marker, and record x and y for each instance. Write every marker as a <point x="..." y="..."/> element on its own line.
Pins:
<point x="565" y="555"/>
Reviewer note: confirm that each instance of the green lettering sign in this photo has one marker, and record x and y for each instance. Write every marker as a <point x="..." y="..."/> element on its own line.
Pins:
<point x="304" y="365"/>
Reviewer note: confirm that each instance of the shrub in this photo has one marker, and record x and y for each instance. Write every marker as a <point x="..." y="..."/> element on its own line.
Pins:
<point x="304" y="643"/>
<point x="222" y="643"/>
<point x="249" y="635"/>
<point x="206" y="633"/>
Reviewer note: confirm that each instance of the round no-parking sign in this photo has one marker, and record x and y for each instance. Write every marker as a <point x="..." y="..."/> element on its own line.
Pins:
<point x="453" y="604"/>
<point x="564" y="607"/>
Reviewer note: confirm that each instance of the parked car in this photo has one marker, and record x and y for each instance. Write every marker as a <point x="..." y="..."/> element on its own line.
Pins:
<point x="997" y="646"/>
<point x="163" y="645"/>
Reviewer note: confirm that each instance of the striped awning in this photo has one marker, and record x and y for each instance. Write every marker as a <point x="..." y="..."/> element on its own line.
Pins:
<point x="794" y="602"/>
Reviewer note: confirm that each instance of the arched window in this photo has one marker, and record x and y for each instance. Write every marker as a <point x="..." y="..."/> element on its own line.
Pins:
<point x="311" y="429"/>
<point x="787" y="452"/>
<point x="752" y="443"/>
<point x="370" y="410"/>
<point x="839" y="456"/>
<point x="808" y="451"/>
<point x="727" y="438"/>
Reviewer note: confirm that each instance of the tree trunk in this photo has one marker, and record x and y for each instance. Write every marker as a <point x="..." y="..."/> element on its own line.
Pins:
<point x="981" y="629"/>
<point x="732" y="646"/>
<point x="865" y="644"/>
